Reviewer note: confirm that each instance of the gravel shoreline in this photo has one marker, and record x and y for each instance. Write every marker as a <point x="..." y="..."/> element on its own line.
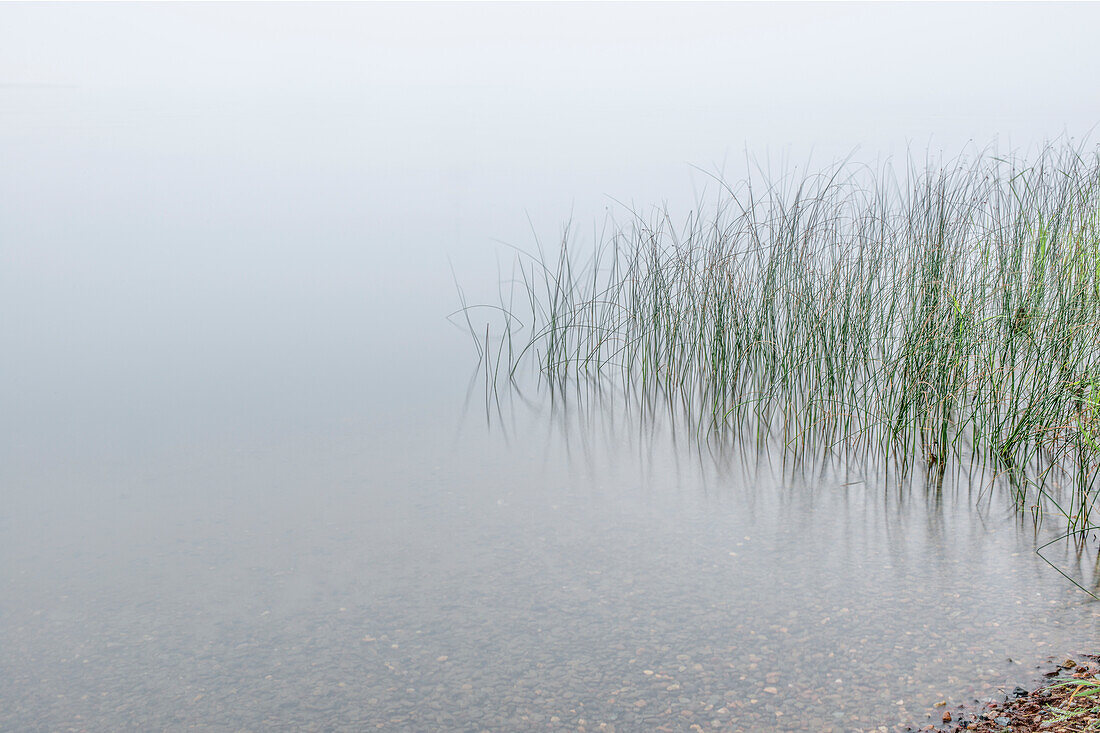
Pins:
<point x="1069" y="686"/>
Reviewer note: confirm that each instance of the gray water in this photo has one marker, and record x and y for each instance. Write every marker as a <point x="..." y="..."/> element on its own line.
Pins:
<point x="246" y="482"/>
<point x="444" y="576"/>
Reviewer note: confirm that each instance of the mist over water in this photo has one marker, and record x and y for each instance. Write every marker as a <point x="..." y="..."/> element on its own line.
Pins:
<point x="246" y="480"/>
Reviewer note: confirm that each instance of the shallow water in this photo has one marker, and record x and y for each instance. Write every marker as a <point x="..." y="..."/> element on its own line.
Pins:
<point x="450" y="575"/>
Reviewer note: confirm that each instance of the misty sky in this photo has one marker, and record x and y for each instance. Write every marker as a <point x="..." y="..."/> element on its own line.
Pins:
<point x="241" y="215"/>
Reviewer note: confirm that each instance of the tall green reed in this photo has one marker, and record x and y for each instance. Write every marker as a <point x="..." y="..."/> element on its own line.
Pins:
<point x="951" y="310"/>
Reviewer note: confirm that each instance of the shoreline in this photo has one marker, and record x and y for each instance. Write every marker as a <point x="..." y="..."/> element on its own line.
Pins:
<point x="1069" y="685"/>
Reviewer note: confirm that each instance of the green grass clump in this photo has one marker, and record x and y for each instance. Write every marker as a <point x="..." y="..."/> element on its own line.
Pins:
<point x="951" y="310"/>
<point x="1078" y="708"/>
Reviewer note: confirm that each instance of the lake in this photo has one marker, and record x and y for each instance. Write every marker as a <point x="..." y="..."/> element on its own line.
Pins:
<point x="249" y="479"/>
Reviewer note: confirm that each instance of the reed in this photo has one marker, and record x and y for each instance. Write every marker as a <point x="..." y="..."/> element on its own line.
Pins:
<point x="950" y="310"/>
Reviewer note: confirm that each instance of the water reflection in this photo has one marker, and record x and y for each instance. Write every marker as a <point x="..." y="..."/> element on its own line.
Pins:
<point x="565" y="568"/>
<point x="938" y="566"/>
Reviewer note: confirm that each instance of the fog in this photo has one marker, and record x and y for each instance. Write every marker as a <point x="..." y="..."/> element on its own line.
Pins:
<point x="238" y="227"/>
<point x="222" y="209"/>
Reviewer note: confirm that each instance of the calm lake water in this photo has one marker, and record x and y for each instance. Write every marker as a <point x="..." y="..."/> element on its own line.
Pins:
<point x="430" y="572"/>
<point x="246" y="482"/>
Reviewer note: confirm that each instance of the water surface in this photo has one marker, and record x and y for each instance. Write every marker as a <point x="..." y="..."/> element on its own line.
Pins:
<point x="446" y="574"/>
